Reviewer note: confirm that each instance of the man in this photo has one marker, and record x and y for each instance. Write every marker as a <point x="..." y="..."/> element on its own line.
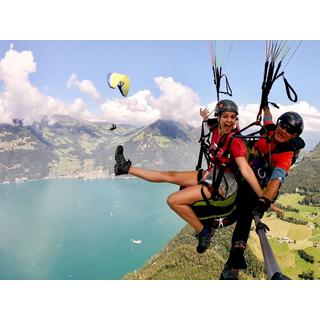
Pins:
<point x="271" y="161"/>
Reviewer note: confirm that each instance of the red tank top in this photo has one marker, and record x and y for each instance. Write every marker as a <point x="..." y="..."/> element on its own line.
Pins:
<point x="219" y="146"/>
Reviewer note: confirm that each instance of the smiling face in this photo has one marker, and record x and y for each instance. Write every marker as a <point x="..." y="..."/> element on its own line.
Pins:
<point x="282" y="135"/>
<point x="227" y="121"/>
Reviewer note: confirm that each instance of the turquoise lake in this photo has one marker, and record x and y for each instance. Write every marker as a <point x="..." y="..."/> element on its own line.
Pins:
<point x="82" y="229"/>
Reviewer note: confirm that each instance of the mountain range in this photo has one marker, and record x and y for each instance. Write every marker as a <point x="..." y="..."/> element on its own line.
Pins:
<point x="303" y="177"/>
<point x="62" y="147"/>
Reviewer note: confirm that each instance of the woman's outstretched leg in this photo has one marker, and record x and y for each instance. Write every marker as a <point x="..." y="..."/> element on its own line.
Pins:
<point x="181" y="178"/>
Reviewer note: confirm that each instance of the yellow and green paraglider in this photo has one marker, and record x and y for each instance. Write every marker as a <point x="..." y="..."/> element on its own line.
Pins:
<point x="119" y="80"/>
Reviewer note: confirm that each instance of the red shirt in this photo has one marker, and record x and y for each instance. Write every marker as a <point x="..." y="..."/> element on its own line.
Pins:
<point x="281" y="160"/>
<point x="237" y="147"/>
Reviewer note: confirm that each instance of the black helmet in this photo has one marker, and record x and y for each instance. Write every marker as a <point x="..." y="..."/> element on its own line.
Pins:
<point x="225" y="106"/>
<point x="292" y="122"/>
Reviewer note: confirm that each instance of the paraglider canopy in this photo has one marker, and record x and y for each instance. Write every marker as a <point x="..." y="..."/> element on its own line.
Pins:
<point x="119" y="80"/>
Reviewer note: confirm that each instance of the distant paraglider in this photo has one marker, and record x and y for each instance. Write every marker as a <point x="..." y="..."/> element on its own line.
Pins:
<point x="113" y="127"/>
<point x="119" y="80"/>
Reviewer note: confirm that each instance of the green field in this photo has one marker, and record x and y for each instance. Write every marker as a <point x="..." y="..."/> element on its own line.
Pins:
<point x="293" y="199"/>
<point x="279" y="248"/>
<point x="302" y="237"/>
<point x="315" y="232"/>
<point x="314" y="252"/>
<point x="315" y="238"/>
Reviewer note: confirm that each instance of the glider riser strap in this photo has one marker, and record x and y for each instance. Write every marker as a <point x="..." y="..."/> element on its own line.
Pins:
<point x="271" y="264"/>
<point x="199" y="164"/>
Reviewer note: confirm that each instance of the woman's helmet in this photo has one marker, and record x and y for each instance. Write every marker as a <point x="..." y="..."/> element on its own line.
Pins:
<point x="292" y="122"/>
<point x="225" y="106"/>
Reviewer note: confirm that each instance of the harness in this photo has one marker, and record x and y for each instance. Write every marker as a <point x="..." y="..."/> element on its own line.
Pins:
<point x="218" y="205"/>
<point x="261" y="164"/>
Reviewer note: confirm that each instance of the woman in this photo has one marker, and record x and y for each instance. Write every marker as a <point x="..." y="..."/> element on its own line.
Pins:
<point x="196" y="188"/>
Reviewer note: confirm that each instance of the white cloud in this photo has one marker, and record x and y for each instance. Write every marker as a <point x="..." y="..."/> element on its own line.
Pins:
<point x="84" y="85"/>
<point x="136" y="110"/>
<point x="176" y="102"/>
<point x="309" y="113"/>
<point x="21" y="99"/>
<point x="16" y="65"/>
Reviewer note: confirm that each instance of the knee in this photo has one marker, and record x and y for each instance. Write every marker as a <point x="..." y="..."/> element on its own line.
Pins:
<point x="172" y="200"/>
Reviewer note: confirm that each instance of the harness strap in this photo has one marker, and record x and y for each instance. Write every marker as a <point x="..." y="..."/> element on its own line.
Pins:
<point x="199" y="175"/>
<point x="217" y="181"/>
<point x="200" y="157"/>
<point x="204" y="147"/>
<point x="219" y="167"/>
<point x="204" y="196"/>
<point x="217" y="178"/>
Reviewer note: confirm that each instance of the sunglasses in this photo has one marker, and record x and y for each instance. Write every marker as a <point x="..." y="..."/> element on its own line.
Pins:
<point x="288" y="127"/>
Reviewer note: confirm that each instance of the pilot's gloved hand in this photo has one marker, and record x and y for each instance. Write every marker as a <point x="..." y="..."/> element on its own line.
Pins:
<point x="262" y="205"/>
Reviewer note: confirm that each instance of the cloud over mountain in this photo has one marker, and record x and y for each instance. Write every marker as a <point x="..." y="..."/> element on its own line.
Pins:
<point x="21" y="99"/>
<point x="176" y="102"/>
<point x="310" y="114"/>
<point x="85" y="86"/>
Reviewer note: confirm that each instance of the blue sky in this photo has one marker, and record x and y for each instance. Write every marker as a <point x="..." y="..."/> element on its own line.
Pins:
<point x="169" y="79"/>
<point x="188" y="62"/>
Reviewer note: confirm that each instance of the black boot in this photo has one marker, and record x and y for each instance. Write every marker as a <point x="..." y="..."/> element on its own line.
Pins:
<point x="122" y="165"/>
<point x="229" y="273"/>
<point x="235" y="262"/>
<point x="204" y="238"/>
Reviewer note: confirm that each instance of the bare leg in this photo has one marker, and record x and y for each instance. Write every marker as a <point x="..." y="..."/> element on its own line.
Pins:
<point x="181" y="200"/>
<point x="181" y="178"/>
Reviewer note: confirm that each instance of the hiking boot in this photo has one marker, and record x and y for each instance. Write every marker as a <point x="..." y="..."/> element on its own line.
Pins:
<point x="236" y="257"/>
<point x="229" y="273"/>
<point x="122" y="165"/>
<point x="204" y="238"/>
<point x="196" y="234"/>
